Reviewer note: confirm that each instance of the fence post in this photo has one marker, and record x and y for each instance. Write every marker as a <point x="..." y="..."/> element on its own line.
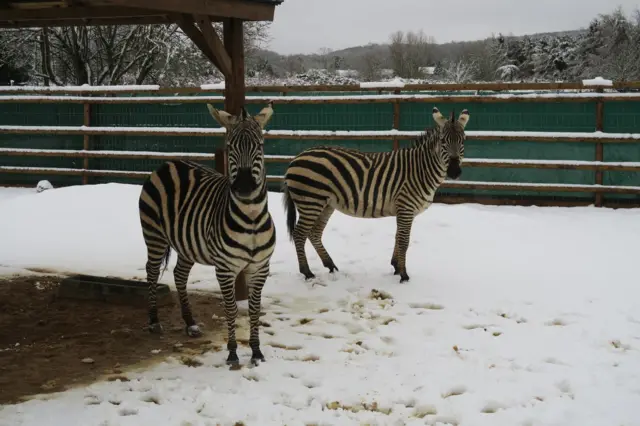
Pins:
<point x="599" y="145"/>
<point x="396" y="119"/>
<point x="86" y="121"/>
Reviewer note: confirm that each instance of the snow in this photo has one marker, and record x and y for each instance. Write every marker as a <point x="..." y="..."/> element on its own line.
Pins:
<point x="82" y="88"/>
<point x="355" y="98"/>
<point x="213" y="86"/>
<point x="513" y="316"/>
<point x="598" y="81"/>
<point x="395" y="83"/>
<point x="337" y="134"/>
<point x="43" y="185"/>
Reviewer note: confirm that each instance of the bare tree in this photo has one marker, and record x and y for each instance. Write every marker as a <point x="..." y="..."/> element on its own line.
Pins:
<point x="409" y="52"/>
<point x="371" y="67"/>
<point x="110" y="55"/>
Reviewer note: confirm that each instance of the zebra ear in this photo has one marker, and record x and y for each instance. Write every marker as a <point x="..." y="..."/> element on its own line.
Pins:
<point x="464" y="118"/>
<point x="438" y="117"/>
<point x="223" y="118"/>
<point x="264" y="116"/>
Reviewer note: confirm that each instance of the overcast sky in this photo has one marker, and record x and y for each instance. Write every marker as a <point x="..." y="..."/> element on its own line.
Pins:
<point x="305" y="26"/>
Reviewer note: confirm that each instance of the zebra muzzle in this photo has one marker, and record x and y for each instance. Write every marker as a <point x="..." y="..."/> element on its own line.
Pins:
<point x="244" y="183"/>
<point x="454" y="170"/>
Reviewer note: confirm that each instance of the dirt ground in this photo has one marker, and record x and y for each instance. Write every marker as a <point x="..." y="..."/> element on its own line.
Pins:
<point x="49" y="344"/>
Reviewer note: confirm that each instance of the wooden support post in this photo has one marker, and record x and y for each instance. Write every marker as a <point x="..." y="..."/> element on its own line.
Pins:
<point x="234" y="99"/>
<point x="86" y="121"/>
<point x="599" y="147"/>
<point x="396" y="120"/>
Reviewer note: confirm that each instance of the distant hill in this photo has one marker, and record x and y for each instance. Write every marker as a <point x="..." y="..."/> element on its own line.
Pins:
<point x="353" y="57"/>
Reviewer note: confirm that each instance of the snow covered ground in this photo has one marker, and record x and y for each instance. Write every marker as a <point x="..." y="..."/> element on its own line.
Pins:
<point x="513" y="316"/>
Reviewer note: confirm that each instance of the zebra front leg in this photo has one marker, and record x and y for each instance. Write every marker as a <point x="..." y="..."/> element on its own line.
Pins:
<point x="316" y="239"/>
<point x="256" y="277"/>
<point x="226" y="280"/>
<point x="404" y="220"/>
<point x="180" y="277"/>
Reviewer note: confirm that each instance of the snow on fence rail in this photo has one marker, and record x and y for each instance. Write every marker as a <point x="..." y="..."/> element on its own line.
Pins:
<point x="479" y="135"/>
<point x="579" y="137"/>
<point x="329" y="99"/>
<point x="362" y="87"/>
<point x="500" y="186"/>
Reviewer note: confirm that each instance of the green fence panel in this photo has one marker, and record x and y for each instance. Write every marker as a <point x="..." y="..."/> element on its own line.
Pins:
<point x="620" y="116"/>
<point x="40" y="115"/>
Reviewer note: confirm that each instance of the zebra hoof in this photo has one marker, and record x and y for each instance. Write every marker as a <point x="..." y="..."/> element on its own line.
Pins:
<point x="155" y="328"/>
<point x="309" y="276"/>
<point x="233" y="360"/>
<point x="404" y="278"/>
<point x="194" y="331"/>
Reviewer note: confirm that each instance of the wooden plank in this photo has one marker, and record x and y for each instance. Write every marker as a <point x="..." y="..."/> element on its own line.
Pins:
<point x="223" y="60"/>
<point x="132" y="155"/>
<point x="599" y="148"/>
<point x="86" y="121"/>
<point x="233" y="34"/>
<point x="75" y="12"/>
<point x="136" y="20"/>
<point x="287" y="135"/>
<point x="249" y="11"/>
<point x="187" y="25"/>
<point x="303" y="100"/>
<point x="348" y="87"/>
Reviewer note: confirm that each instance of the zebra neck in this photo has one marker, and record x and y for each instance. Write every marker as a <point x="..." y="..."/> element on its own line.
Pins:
<point x="251" y="208"/>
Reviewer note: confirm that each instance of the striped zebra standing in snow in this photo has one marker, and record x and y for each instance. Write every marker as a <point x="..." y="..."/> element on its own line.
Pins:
<point x="401" y="183"/>
<point x="216" y="220"/>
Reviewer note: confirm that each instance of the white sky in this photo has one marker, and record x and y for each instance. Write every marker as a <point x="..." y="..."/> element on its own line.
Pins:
<point x="305" y="26"/>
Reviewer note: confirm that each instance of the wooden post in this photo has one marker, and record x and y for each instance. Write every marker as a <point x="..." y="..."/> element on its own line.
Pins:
<point x="234" y="100"/>
<point x="599" y="146"/>
<point x="396" y="120"/>
<point x="86" y="121"/>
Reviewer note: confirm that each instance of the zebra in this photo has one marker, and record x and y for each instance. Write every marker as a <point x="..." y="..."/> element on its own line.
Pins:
<point x="213" y="219"/>
<point x="401" y="183"/>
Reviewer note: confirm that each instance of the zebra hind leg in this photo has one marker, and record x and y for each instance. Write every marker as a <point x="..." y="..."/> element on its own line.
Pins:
<point x="316" y="239"/>
<point x="226" y="280"/>
<point x="306" y="222"/>
<point x="155" y="257"/>
<point x="180" y="277"/>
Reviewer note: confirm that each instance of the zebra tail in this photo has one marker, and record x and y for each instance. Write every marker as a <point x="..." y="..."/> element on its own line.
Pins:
<point x="289" y="209"/>
<point x="165" y="261"/>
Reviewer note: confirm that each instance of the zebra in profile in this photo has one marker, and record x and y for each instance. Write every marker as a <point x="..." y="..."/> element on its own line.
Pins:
<point x="401" y="183"/>
<point x="216" y="220"/>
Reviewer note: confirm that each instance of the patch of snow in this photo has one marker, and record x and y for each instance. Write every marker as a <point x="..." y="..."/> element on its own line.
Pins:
<point x="396" y="83"/>
<point x="470" y="340"/>
<point x="82" y="88"/>
<point x="43" y="185"/>
<point x="213" y="86"/>
<point x="598" y="81"/>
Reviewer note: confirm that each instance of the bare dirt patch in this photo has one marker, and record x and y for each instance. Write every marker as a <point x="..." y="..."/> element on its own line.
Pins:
<point x="49" y="344"/>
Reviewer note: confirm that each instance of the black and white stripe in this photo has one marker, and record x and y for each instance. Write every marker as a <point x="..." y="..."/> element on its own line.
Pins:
<point x="212" y="219"/>
<point x="401" y="183"/>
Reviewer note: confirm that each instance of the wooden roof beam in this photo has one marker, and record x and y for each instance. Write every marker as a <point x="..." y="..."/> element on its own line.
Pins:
<point x="187" y="25"/>
<point x="223" y="60"/>
<point x="75" y="12"/>
<point x="135" y="20"/>
<point x="248" y="11"/>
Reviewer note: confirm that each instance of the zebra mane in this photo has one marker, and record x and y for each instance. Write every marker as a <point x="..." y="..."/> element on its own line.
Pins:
<point x="424" y="138"/>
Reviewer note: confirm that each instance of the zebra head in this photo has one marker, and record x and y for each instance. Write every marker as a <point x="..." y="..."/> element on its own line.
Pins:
<point x="452" y="138"/>
<point x="245" y="144"/>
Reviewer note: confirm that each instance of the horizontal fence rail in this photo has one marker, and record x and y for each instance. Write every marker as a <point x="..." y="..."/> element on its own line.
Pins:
<point x="362" y="87"/>
<point x="104" y="99"/>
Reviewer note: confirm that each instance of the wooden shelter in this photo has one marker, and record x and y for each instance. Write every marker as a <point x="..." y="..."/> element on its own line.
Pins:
<point x="195" y="18"/>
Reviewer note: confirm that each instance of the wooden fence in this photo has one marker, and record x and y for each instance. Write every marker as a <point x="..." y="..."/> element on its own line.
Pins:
<point x="571" y="92"/>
